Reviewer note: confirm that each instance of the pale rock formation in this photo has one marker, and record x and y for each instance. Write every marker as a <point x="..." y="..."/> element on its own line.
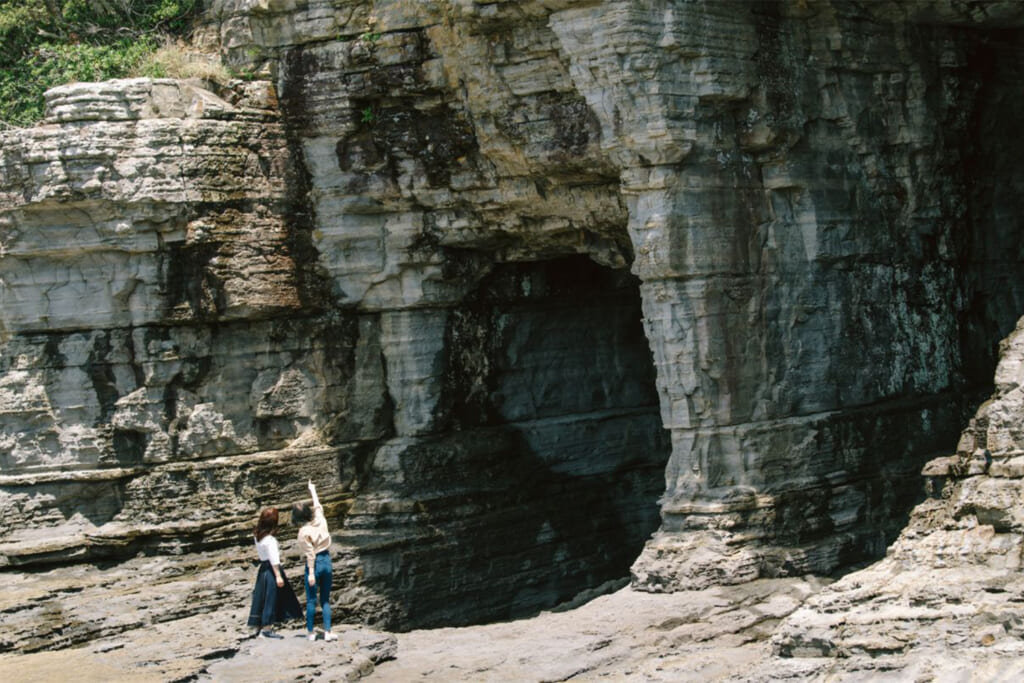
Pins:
<point x="719" y="633"/>
<point x="161" y="619"/>
<point x="505" y="277"/>
<point x="485" y="433"/>
<point x="138" y="210"/>
<point x="794" y="192"/>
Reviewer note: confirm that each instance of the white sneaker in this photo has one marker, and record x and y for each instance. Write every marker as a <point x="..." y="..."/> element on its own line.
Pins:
<point x="328" y="636"/>
<point x="311" y="636"/>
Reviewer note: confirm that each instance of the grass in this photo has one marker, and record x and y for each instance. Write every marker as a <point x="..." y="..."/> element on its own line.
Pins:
<point x="46" y="43"/>
<point x="174" y="60"/>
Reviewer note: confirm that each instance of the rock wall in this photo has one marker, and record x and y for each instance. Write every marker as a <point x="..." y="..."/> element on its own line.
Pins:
<point x="506" y="277"/>
<point x="819" y="256"/>
<point x="945" y="600"/>
<point x="177" y="354"/>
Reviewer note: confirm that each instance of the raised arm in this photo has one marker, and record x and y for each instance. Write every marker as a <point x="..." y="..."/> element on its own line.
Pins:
<point x="308" y="545"/>
<point x="312" y="492"/>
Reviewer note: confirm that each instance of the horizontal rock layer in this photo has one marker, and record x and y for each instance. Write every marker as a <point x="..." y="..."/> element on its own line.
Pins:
<point x="160" y="412"/>
<point x="946" y="599"/>
<point x="814" y="251"/>
<point x="399" y="266"/>
<point x="160" y="618"/>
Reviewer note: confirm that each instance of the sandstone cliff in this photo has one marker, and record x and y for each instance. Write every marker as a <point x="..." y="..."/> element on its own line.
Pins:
<point x="518" y="282"/>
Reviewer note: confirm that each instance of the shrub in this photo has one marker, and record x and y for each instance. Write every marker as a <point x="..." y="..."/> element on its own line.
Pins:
<point x="45" y="43"/>
<point x="173" y="60"/>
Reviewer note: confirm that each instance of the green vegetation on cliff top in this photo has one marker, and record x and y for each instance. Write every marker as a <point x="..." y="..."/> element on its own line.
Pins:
<point x="45" y="43"/>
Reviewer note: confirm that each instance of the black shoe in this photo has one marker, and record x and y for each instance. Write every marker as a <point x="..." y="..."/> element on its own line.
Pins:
<point x="271" y="634"/>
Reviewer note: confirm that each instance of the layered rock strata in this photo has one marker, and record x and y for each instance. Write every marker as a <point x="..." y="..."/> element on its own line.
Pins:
<point x="809" y="192"/>
<point x="428" y="260"/>
<point x="946" y="600"/>
<point x="162" y="619"/>
<point x="148" y="257"/>
<point x="808" y="231"/>
<point x="179" y="351"/>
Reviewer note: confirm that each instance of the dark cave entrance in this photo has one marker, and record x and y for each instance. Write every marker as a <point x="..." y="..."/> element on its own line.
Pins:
<point x="990" y="240"/>
<point x="552" y="454"/>
<point x="975" y="189"/>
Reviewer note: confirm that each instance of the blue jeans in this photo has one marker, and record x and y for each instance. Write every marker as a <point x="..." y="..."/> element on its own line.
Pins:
<point x="322" y="572"/>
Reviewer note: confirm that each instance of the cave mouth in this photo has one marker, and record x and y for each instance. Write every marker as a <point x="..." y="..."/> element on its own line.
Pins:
<point x="553" y="443"/>
<point x="972" y="245"/>
<point x="989" y="238"/>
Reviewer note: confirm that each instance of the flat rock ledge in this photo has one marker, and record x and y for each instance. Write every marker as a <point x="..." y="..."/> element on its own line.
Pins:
<point x="169" y="618"/>
<point x="182" y="619"/>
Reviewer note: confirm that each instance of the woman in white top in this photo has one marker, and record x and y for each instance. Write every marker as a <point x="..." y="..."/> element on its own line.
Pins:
<point x="314" y="540"/>
<point x="273" y="599"/>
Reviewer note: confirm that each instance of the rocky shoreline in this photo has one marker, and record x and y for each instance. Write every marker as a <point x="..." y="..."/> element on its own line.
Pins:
<point x="727" y="633"/>
<point x="182" y="618"/>
<point x="946" y="603"/>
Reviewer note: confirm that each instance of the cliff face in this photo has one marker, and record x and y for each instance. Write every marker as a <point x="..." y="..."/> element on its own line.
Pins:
<point x="176" y="356"/>
<point x="944" y="598"/>
<point x="506" y="277"/>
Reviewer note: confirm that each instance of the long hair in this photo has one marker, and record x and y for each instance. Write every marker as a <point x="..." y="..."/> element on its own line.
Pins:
<point x="267" y="524"/>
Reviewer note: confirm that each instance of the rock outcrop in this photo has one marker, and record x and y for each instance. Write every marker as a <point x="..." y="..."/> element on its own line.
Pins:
<point x="179" y="351"/>
<point x="946" y="600"/>
<point x="162" y="619"/>
<point x="505" y="277"/>
<point x="820" y="291"/>
<point x="813" y="270"/>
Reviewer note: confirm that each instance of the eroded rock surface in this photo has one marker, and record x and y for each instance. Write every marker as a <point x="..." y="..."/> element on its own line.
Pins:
<point x="807" y="191"/>
<point x="718" y="633"/>
<point x="946" y="602"/>
<point x="166" y="619"/>
<point x="194" y="325"/>
<point x="162" y="619"/>
<point x="515" y="282"/>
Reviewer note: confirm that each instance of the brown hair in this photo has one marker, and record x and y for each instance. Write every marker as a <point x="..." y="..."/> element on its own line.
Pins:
<point x="267" y="524"/>
<point x="301" y="513"/>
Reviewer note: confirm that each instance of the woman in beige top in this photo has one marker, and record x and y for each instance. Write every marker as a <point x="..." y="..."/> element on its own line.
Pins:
<point x="314" y="540"/>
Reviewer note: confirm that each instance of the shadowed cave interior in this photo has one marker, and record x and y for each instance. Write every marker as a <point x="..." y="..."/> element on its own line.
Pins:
<point x="543" y="479"/>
